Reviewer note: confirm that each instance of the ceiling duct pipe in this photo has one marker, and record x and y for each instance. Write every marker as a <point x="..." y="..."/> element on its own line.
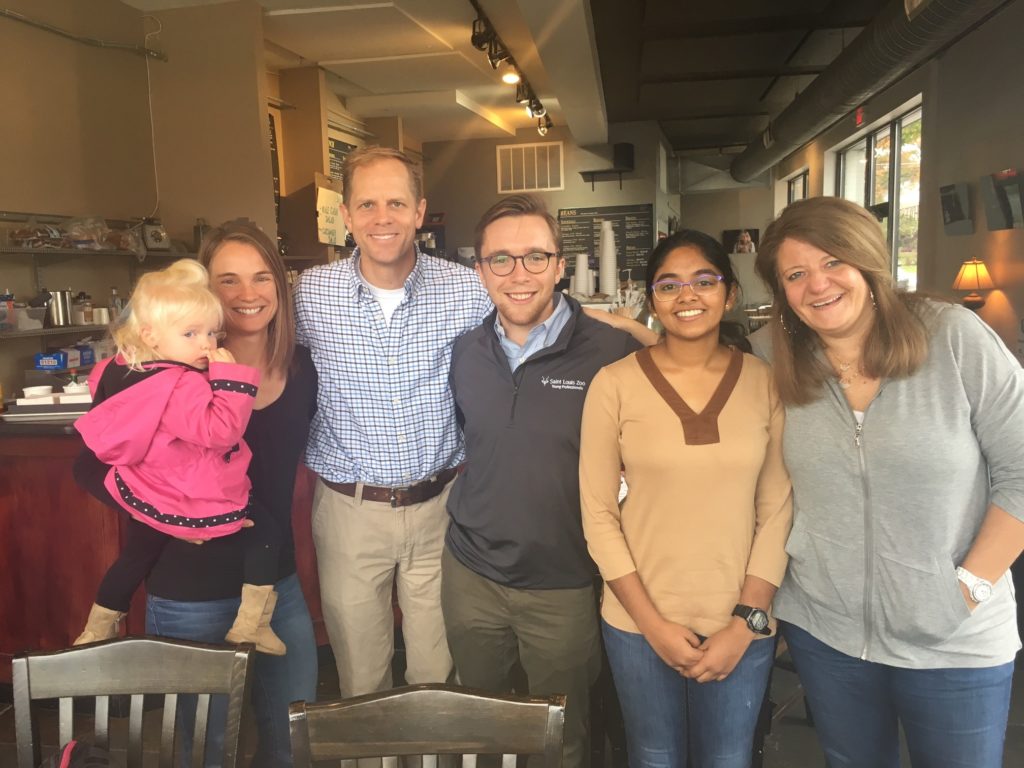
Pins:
<point x="884" y="51"/>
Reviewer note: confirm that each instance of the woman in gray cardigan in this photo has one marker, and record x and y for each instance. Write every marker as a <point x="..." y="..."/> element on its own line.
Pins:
<point x="905" y="442"/>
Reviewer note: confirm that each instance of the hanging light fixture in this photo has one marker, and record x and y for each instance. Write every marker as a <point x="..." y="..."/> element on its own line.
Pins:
<point x="496" y="52"/>
<point x="485" y="38"/>
<point x="483" y="33"/>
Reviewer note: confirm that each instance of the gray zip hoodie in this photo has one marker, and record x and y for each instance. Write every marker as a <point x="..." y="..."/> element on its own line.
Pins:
<point x="883" y="514"/>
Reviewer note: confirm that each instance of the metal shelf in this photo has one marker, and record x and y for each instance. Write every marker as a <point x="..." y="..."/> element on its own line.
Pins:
<point x="64" y="330"/>
<point x="15" y="251"/>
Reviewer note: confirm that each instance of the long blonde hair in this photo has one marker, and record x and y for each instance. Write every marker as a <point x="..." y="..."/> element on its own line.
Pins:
<point x="897" y="343"/>
<point x="162" y="299"/>
<point x="281" y="330"/>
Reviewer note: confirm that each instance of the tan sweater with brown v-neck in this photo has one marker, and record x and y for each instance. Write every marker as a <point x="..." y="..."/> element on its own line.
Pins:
<point x="709" y="496"/>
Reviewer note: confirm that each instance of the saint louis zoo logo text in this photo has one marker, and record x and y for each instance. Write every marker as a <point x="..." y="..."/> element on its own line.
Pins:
<point x="575" y="384"/>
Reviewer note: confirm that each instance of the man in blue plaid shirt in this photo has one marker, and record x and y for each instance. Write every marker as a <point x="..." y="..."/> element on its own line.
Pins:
<point x="384" y="442"/>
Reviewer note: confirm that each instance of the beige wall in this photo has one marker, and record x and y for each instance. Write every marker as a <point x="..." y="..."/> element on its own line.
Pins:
<point x="210" y="110"/>
<point x="74" y="132"/>
<point x="460" y="177"/>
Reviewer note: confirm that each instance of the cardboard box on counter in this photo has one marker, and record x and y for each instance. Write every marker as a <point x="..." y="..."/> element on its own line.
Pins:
<point x="60" y="359"/>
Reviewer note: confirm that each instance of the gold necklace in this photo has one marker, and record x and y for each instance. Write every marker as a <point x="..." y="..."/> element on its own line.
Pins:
<point x="848" y="372"/>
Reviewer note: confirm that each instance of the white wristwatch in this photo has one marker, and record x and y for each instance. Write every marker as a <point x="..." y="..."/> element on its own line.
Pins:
<point x="979" y="588"/>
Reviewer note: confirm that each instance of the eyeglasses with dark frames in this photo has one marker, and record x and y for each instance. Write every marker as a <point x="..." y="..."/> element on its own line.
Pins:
<point x="502" y="264"/>
<point x="668" y="289"/>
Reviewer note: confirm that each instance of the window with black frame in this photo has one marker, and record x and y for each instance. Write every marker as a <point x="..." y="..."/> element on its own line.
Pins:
<point x="882" y="172"/>
<point x="796" y="187"/>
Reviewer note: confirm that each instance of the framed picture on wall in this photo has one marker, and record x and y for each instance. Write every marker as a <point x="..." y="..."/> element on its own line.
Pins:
<point x="740" y="240"/>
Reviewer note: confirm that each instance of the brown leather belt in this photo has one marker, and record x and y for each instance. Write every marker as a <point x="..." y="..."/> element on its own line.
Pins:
<point x="398" y="497"/>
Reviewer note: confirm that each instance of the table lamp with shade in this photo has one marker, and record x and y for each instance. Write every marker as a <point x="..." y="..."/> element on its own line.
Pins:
<point x="973" y="276"/>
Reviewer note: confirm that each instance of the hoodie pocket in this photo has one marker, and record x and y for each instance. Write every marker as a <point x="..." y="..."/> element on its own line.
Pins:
<point x="921" y="602"/>
<point x="827" y="572"/>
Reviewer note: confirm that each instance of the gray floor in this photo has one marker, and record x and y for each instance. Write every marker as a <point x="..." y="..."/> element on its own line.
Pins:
<point x="791" y="744"/>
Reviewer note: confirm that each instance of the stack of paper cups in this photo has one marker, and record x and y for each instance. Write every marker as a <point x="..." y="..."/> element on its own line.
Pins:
<point x="608" y="261"/>
<point x="584" y="279"/>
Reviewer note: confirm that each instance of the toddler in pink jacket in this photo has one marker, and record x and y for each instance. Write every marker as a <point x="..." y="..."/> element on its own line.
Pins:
<point x="169" y="411"/>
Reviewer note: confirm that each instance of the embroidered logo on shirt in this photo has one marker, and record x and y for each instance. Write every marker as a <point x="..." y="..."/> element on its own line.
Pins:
<point x="577" y="385"/>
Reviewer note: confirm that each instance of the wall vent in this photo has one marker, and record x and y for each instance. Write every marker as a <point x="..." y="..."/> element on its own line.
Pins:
<point x="530" y="167"/>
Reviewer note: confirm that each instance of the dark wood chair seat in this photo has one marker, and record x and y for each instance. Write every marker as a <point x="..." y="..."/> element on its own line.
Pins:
<point x="428" y="720"/>
<point x="133" y="666"/>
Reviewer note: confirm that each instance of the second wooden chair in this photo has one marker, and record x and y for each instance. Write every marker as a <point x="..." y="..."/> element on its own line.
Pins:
<point x="428" y="720"/>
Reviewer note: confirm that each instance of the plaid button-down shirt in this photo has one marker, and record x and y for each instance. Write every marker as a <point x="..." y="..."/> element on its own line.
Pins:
<point x="385" y="411"/>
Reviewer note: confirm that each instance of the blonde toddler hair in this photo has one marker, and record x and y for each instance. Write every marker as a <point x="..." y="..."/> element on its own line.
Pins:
<point x="162" y="299"/>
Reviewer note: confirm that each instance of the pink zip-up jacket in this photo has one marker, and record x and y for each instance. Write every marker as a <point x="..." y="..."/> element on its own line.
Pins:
<point x="174" y="443"/>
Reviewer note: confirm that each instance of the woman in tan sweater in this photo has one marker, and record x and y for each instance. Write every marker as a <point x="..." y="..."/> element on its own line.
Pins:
<point x="693" y="555"/>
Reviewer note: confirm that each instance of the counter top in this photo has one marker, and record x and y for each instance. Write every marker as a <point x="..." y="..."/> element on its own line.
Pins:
<point x="37" y="428"/>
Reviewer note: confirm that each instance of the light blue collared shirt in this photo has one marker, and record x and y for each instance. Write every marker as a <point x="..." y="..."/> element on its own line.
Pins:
<point x="540" y="337"/>
<point x="385" y="413"/>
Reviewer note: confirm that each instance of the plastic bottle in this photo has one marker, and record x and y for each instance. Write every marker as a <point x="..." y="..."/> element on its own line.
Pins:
<point x="116" y="303"/>
<point x="7" y="320"/>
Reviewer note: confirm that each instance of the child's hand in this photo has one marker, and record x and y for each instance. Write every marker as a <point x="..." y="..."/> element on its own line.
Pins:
<point x="221" y="355"/>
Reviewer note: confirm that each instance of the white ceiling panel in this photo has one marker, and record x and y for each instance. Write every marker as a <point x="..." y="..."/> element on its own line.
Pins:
<point x="423" y="72"/>
<point x="435" y="115"/>
<point x="369" y="31"/>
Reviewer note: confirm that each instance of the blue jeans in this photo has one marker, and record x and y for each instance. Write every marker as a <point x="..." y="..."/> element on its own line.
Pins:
<point x="278" y="680"/>
<point x="953" y="717"/>
<point x="667" y="715"/>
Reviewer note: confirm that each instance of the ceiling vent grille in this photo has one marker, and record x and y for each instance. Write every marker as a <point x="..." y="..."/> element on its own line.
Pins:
<point x="530" y="167"/>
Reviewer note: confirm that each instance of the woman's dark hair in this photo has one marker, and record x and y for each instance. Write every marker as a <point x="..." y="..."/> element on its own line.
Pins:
<point x="729" y="332"/>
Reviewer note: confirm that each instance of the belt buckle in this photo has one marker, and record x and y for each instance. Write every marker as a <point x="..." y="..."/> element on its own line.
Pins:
<point x="394" y="498"/>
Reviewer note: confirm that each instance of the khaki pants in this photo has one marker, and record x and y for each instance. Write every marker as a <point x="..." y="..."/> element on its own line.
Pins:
<point x="552" y="632"/>
<point x="362" y="549"/>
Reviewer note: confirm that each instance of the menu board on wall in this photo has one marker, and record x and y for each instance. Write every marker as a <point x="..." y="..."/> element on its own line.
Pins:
<point x="337" y="150"/>
<point x="633" y="226"/>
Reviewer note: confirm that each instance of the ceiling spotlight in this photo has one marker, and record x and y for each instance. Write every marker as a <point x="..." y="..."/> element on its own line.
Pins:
<point x="496" y="53"/>
<point x="535" y="108"/>
<point x="511" y="75"/>
<point x="482" y="34"/>
<point x="523" y="93"/>
<point x="544" y="124"/>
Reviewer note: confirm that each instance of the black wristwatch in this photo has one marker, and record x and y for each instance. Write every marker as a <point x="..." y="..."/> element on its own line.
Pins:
<point x="757" y="620"/>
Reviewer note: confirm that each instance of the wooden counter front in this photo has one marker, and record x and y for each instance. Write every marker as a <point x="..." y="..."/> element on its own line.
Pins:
<point x="57" y="541"/>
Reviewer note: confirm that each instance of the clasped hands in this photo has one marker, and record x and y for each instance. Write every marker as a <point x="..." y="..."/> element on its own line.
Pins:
<point x="711" y="660"/>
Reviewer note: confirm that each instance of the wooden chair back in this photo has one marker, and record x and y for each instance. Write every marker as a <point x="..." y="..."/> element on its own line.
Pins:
<point x="133" y="666"/>
<point x="428" y="720"/>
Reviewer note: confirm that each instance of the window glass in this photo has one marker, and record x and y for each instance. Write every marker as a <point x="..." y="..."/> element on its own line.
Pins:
<point x="881" y="169"/>
<point x="909" y="197"/>
<point x="852" y="176"/>
<point x="867" y="169"/>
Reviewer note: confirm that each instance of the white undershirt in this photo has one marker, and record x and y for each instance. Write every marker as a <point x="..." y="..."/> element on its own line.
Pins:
<point x="388" y="298"/>
<point x="859" y="416"/>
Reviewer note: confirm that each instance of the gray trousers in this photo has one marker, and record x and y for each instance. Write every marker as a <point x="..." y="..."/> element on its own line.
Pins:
<point x="553" y="633"/>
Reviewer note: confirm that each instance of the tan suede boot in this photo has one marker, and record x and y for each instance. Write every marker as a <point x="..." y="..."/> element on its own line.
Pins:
<point x="252" y="624"/>
<point x="102" y="624"/>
